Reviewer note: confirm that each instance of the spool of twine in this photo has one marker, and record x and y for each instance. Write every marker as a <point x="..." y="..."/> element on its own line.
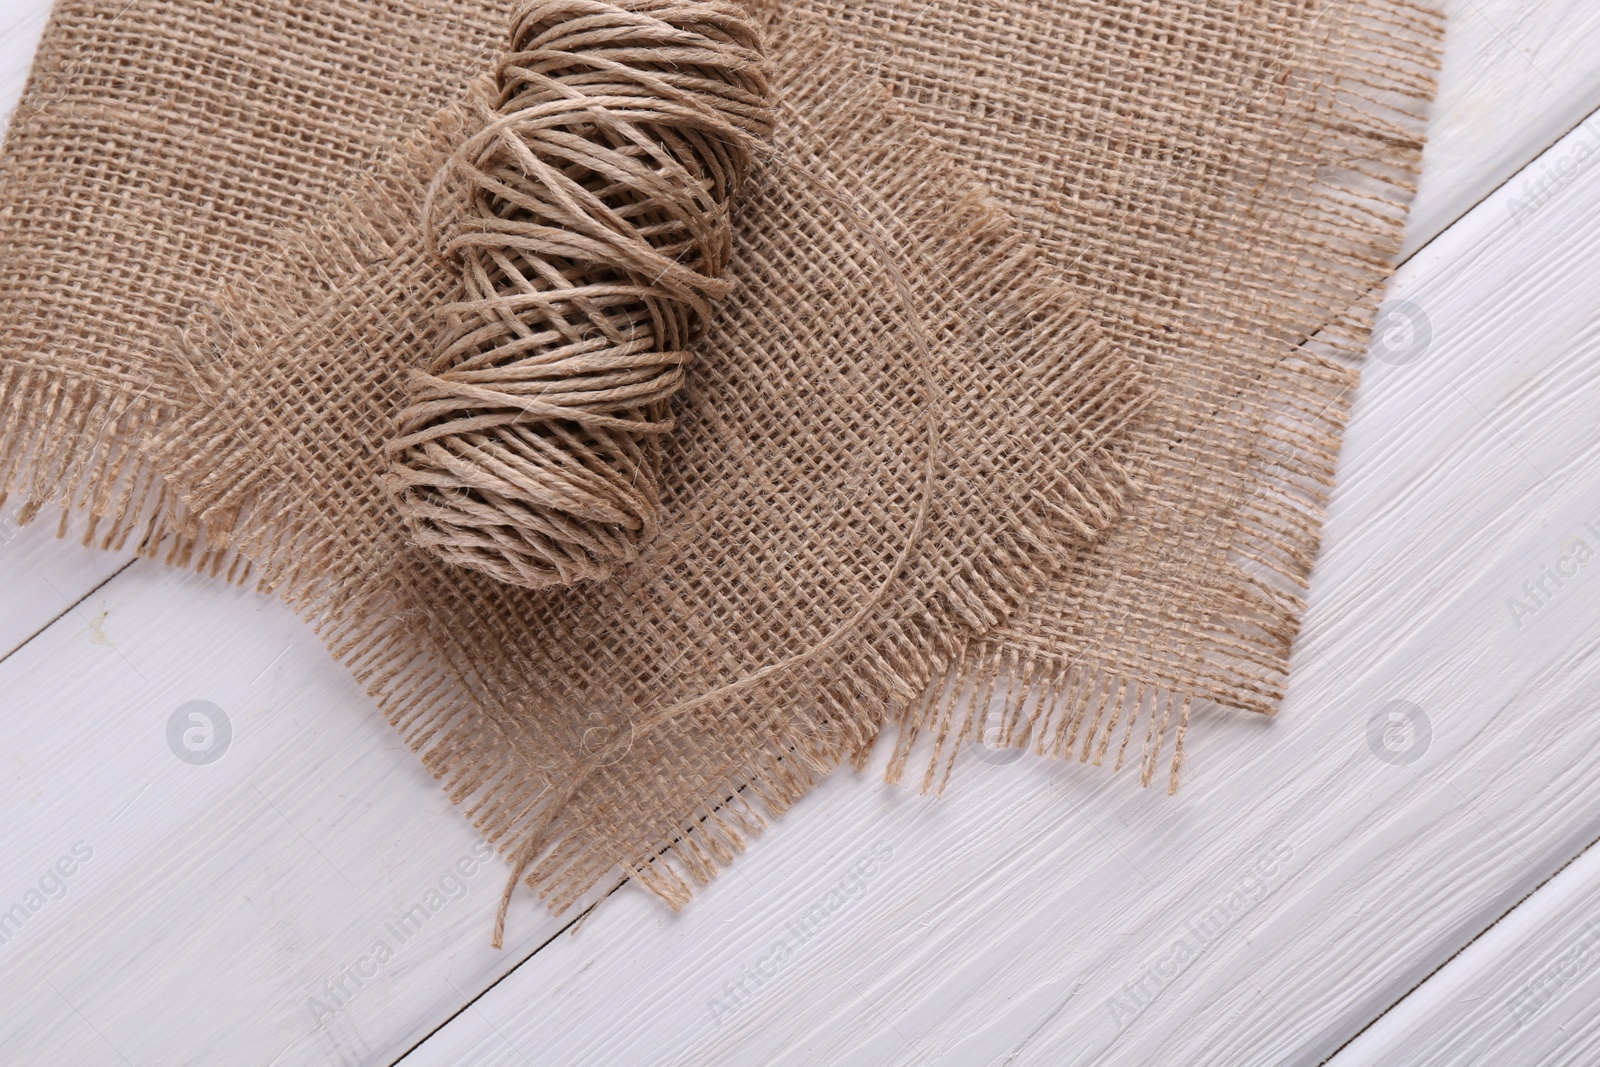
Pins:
<point x="591" y="223"/>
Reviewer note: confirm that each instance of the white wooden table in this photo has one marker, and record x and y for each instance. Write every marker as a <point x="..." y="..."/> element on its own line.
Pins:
<point x="310" y="897"/>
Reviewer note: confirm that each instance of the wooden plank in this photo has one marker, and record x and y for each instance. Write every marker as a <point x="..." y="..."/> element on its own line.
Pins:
<point x="1517" y="76"/>
<point x="211" y="914"/>
<point x="1524" y="992"/>
<point x="1302" y="882"/>
<point x="40" y="577"/>
<point x="308" y="897"/>
<point x="43" y="578"/>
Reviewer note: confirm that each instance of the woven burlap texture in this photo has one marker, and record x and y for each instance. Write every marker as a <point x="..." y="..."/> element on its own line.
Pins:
<point x="892" y="496"/>
<point x="158" y="151"/>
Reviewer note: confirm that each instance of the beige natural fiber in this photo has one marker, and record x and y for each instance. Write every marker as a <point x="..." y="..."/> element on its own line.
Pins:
<point x="1015" y="420"/>
<point x="597" y="239"/>
<point x="892" y="425"/>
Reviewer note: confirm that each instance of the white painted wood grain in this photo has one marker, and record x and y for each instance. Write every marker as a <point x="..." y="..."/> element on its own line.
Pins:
<point x="1523" y="993"/>
<point x="220" y="899"/>
<point x="1299" y="885"/>
<point x="1517" y="76"/>
<point x="42" y="577"/>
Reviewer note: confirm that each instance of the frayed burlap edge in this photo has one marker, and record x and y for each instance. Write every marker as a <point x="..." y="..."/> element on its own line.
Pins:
<point x="1066" y="704"/>
<point x="73" y="448"/>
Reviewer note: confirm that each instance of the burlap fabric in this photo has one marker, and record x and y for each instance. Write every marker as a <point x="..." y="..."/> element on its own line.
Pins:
<point x="986" y="235"/>
<point x="1223" y="185"/>
<point x="158" y="150"/>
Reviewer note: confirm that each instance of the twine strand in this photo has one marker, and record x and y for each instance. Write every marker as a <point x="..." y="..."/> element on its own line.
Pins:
<point x="932" y="417"/>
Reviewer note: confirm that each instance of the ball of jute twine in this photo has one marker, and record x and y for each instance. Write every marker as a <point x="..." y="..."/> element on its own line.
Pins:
<point x="593" y="243"/>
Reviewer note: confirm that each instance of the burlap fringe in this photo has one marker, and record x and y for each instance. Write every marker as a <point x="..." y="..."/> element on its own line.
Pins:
<point x="74" y="449"/>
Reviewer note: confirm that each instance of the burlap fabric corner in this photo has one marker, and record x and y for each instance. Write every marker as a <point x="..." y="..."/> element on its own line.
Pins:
<point x="1025" y="406"/>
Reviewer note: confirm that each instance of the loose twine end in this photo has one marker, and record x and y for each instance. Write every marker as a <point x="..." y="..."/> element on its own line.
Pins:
<point x="540" y="835"/>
